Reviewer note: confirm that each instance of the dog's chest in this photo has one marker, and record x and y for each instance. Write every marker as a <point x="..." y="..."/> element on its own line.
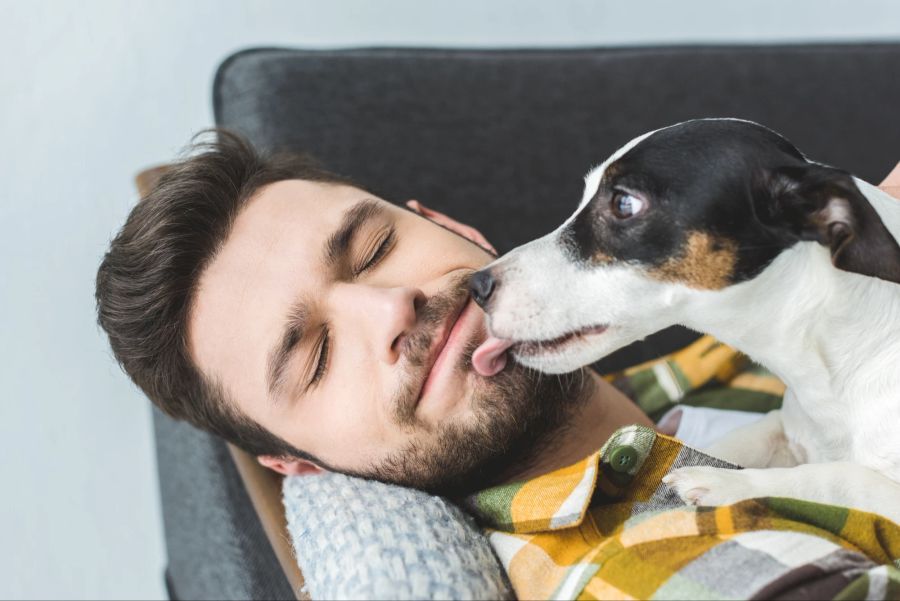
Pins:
<point x="876" y="438"/>
<point x="815" y="436"/>
<point x="824" y="430"/>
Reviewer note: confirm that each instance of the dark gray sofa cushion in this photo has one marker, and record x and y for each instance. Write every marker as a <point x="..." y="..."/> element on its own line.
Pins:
<point x="216" y="546"/>
<point x="500" y="138"/>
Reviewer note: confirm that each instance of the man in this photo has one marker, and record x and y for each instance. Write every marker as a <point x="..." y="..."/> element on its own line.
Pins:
<point x="321" y="328"/>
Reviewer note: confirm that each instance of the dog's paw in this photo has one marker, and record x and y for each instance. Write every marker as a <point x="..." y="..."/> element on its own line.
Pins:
<point x="709" y="486"/>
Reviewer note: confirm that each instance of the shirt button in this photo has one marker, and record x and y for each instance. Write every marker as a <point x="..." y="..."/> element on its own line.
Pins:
<point x="623" y="458"/>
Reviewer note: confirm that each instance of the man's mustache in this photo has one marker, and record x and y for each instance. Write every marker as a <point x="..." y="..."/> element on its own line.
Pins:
<point x="416" y="344"/>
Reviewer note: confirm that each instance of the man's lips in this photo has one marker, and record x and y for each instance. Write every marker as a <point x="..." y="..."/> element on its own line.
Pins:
<point x="436" y="358"/>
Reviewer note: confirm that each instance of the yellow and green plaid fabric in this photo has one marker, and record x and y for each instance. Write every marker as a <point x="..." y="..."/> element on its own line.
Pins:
<point x="608" y="528"/>
<point x="705" y="374"/>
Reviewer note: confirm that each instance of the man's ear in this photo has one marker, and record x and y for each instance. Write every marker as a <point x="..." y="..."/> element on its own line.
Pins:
<point x="289" y="466"/>
<point x="822" y="204"/>
<point x="891" y="183"/>
<point x="466" y="231"/>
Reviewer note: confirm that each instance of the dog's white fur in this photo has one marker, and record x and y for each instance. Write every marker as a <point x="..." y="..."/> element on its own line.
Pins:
<point x="832" y="336"/>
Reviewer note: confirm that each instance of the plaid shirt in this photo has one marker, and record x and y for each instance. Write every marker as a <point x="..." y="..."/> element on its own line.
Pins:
<point x="608" y="528"/>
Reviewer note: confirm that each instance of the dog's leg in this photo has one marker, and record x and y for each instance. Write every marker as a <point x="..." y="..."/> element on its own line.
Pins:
<point x="760" y="444"/>
<point x="845" y="484"/>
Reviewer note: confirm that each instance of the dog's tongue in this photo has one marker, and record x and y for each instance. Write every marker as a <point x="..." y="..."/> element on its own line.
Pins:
<point x="490" y="357"/>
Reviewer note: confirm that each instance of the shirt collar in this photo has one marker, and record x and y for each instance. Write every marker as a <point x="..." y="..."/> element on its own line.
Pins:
<point x="560" y="499"/>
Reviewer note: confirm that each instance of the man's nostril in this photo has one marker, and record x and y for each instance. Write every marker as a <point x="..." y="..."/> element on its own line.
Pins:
<point x="419" y="301"/>
<point x="396" y="345"/>
<point x="482" y="285"/>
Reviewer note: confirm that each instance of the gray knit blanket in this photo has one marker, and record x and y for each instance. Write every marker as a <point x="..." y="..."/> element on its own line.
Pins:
<point x="359" y="539"/>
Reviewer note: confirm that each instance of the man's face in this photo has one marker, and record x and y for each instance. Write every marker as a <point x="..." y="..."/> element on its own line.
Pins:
<point x="342" y="324"/>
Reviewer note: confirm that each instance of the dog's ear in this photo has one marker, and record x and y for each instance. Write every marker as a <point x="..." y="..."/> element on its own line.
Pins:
<point x="822" y="204"/>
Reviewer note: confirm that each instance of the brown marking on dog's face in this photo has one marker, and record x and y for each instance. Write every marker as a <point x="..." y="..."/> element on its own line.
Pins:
<point x="601" y="258"/>
<point x="705" y="262"/>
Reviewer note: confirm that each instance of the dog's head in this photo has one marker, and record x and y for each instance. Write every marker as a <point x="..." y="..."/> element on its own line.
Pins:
<point x="700" y="206"/>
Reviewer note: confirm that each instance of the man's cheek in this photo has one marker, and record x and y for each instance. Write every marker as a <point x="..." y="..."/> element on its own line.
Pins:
<point x="353" y="436"/>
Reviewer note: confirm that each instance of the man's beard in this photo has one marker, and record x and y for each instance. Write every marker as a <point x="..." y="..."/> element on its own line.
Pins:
<point x="518" y="416"/>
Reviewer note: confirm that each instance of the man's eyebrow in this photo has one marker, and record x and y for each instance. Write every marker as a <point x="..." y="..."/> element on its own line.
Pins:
<point x="337" y="245"/>
<point x="339" y="242"/>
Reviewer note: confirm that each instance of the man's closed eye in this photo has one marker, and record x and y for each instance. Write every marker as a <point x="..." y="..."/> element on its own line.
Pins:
<point x="321" y="362"/>
<point x="379" y="249"/>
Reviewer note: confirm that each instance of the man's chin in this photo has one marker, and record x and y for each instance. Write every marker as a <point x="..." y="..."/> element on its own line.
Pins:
<point x="436" y="409"/>
<point x="500" y="428"/>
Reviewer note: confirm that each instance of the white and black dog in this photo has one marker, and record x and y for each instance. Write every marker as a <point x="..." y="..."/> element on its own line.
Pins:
<point x="722" y="225"/>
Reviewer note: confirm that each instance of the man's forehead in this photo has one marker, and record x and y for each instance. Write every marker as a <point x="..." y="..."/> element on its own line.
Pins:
<point x="279" y="232"/>
<point x="316" y="203"/>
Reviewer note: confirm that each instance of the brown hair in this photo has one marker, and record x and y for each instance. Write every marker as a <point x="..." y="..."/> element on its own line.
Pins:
<point x="148" y="278"/>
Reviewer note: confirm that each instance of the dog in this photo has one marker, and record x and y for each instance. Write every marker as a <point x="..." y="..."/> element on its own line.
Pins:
<point x="723" y="226"/>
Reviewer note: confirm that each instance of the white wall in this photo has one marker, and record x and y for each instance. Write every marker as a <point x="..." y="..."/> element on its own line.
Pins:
<point x="90" y="93"/>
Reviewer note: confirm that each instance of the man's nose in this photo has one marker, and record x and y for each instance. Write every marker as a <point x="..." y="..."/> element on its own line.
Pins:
<point x="482" y="285"/>
<point x="383" y="316"/>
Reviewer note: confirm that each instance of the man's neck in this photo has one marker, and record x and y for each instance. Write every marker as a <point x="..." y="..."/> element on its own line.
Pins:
<point x="603" y="413"/>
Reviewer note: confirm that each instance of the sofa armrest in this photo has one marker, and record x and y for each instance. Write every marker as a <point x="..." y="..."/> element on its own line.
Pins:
<point x="264" y="489"/>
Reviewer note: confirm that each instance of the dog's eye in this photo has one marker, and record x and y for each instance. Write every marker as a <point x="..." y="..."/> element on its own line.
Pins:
<point x="625" y="205"/>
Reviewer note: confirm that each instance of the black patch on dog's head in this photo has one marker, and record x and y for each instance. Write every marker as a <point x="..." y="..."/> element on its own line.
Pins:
<point x="711" y="213"/>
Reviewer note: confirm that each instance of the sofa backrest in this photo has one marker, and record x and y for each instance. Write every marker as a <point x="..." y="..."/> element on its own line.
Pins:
<point x="504" y="138"/>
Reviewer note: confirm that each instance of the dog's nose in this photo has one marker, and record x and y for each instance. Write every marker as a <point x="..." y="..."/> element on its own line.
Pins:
<point x="482" y="285"/>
